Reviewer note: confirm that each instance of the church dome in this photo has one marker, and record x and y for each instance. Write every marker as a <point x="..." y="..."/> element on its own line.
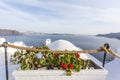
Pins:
<point x="62" y="45"/>
<point x="2" y="40"/>
<point x="65" y="45"/>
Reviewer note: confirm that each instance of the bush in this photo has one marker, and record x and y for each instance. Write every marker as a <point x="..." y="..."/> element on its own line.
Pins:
<point x="63" y="61"/>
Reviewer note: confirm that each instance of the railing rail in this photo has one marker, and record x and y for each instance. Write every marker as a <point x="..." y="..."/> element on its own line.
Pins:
<point x="55" y="51"/>
<point x="104" y="48"/>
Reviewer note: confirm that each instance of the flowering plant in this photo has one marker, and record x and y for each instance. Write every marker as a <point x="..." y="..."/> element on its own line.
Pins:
<point x="63" y="61"/>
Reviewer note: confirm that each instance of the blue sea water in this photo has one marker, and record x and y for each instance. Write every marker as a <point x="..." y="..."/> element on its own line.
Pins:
<point x="82" y="41"/>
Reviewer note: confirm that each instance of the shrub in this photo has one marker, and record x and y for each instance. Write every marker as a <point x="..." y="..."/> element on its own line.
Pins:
<point x="63" y="61"/>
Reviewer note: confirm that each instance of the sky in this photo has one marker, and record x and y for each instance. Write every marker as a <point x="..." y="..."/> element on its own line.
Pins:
<point x="61" y="16"/>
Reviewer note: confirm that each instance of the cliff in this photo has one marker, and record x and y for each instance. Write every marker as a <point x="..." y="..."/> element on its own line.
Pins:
<point x="110" y="35"/>
<point x="4" y="32"/>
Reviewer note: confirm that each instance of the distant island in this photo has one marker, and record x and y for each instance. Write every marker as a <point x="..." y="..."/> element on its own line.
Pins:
<point x="32" y="32"/>
<point x="58" y="34"/>
<point x="111" y="35"/>
<point x="6" y="32"/>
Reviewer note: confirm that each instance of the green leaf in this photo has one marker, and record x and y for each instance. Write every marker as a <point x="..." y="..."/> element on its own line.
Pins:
<point x="42" y="61"/>
<point x="69" y="72"/>
<point x="26" y="61"/>
<point x="77" y="68"/>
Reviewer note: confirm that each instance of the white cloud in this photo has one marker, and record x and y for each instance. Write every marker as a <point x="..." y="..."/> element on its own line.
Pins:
<point x="12" y="11"/>
<point x="110" y="15"/>
<point x="61" y="15"/>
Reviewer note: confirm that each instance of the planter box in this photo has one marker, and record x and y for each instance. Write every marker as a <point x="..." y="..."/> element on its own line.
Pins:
<point x="98" y="73"/>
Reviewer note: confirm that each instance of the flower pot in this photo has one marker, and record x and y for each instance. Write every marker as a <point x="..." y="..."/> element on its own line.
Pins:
<point x="86" y="72"/>
<point x="93" y="74"/>
<point x="98" y="73"/>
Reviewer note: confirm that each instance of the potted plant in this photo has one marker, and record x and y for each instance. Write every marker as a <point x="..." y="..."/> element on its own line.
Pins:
<point x="52" y="62"/>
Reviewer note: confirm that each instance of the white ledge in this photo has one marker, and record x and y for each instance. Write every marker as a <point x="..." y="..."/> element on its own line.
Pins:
<point x="93" y="74"/>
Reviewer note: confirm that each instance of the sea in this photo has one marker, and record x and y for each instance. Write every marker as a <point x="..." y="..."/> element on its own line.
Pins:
<point x="85" y="42"/>
<point x="82" y="41"/>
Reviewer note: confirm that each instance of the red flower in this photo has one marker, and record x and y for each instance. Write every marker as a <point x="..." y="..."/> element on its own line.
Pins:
<point x="78" y="55"/>
<point x="56" y="55"/>
<point x="63" y="65"/>
<point x="71" y="66"/>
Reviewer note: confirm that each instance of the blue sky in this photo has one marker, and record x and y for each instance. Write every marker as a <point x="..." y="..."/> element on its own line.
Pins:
<point x="61" y="16"/>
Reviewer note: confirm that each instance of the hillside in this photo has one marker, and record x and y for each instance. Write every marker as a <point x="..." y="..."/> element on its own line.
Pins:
<point x="4" y="32"/>
<point x="110" y="35"/>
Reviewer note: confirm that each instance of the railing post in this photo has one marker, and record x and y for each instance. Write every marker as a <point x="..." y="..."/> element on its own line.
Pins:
<point x="104" y="58"/>
<point x="6" y="60"/>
